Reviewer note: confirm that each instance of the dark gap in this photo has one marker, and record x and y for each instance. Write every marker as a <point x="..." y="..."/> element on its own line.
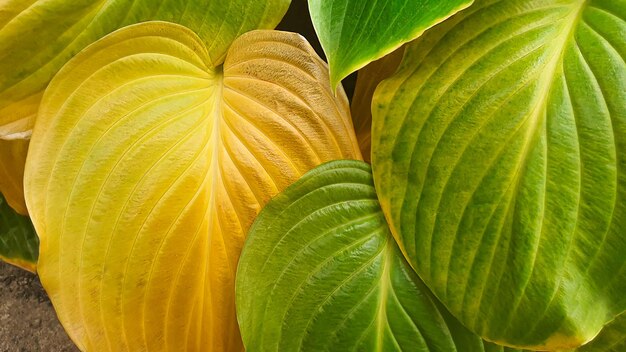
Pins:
<point x="298" y="20"/>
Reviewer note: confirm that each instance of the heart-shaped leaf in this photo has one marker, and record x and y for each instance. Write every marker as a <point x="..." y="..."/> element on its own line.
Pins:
<point x="500" y="161"/>
<point x="354" y="33"/>
<point x="38" y="37"/>
<point x="320" y="271"/>
<point x="19" y="244"/>
<point x="147" y="166"/>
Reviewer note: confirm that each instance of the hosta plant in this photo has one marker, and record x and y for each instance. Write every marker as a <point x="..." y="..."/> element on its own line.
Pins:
<point x="146" y="141"/>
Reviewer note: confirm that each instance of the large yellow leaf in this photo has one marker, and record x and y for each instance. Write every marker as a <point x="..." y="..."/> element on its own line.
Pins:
<point x="147" y="166"/>
<point x="37" y="37"/>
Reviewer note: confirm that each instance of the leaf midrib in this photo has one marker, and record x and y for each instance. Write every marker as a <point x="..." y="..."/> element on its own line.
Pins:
<point x="215" y="114"/>
<point x="385" y="278"/>
<point x="547" y="80"/>
<point x="545" y="85"/>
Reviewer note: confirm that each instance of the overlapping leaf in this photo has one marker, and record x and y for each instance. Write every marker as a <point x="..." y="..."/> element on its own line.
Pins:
<point x="37" y="37"/>
<point x="147" y="166"/>
<point x="18" y="242"/>
<point x="354" y="33"/>
<point x="500" y="158"/>
<point x="368" y="79"/>
<point x="320" y="271"/>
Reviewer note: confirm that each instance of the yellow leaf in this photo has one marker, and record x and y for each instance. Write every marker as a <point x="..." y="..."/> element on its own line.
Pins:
<point x="37" y="37"/>
<point x="367" y="80"/>
<point x="147" y="167"/>
<point x="13" y="150"/>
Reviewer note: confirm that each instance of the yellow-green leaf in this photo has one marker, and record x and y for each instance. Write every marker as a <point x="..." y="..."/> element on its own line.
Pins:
<point x="148" y="165"/>
<point x="500" y="162"/>
<point x="612" y="338"/>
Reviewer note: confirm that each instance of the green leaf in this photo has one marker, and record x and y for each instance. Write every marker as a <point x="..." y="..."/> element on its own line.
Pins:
<point x="500" y="162"/>
<point x="611" y="339"/>
<point x="19" y="244"/>
<point x="354" y="33"/>
<point x="321" y="272"/>
<point x="37" y="37"/>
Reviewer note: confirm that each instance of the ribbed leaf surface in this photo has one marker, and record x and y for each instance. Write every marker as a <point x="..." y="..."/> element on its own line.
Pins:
<point x="320" y="271"/>
<point x="500" y="160"/>
<point x="147" y="166"/>
<point x="37" y="37"/>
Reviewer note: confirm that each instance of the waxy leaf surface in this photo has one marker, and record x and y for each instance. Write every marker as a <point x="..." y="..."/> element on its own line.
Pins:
<point x="320" y="271"/>
<point x="19" y="244"/>
<point x="148" y="165"/>
<point x="500" y="160"/>
<point x="354" y="33"/>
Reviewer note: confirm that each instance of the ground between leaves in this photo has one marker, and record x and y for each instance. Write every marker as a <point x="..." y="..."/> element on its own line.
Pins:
<point x="27" y="320"/>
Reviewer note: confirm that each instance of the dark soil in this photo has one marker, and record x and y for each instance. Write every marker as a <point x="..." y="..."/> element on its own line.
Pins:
<point x="27" y="320"/>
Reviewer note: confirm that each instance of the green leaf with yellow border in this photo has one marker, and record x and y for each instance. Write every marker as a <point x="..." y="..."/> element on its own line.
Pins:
<point x="500" y="162"/>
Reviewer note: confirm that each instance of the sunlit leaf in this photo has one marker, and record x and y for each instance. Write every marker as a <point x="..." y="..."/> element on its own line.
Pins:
<point x="320" y="271"/>
<point x="18" y="241"/>
<point x="147" y="166"/>
<point x="611" y="339"/>
<point x="37" y="37"/>
<point x="500" y="161"/>
<point x="367" y="80"/>
<point x="354" y="33"/>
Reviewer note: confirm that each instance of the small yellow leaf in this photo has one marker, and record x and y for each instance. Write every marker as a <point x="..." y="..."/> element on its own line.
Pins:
<point x="367" y="80"/>
<point x="148" y="166"/>
<point x="13" y="150"/>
